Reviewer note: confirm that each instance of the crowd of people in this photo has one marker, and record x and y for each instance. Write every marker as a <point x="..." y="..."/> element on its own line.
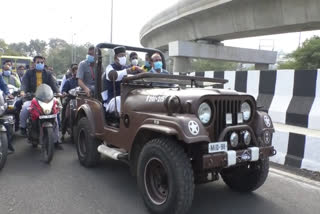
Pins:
<point x="78" y="75"/>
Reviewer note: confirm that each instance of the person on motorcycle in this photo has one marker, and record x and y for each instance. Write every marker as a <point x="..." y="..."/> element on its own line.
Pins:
<point x="30" y="81"/>
<point x="67" y="76"/>
<point x="9" y="77"/>
<point x="4" y="88"/>
<point x="71" y="83"/>
<point x="20" y="72"/>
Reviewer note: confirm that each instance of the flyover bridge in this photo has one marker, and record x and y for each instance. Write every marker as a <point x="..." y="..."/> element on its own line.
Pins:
<point x="213" y="21"/>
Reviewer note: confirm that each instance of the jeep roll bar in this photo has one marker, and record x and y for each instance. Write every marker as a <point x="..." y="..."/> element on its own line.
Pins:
<point x="98" y="67"/>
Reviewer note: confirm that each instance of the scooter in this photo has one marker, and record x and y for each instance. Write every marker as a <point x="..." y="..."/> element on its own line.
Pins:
<point x="42" y="121"/>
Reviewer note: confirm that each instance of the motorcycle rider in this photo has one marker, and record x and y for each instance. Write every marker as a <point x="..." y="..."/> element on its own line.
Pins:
<point x="9" y="77"/>
<point x="30" y="81"/>
<point x="4" y="88"/>
<point x="71" y="83"/>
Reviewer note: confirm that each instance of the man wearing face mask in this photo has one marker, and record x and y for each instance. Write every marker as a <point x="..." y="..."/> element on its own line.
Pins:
<point x="147" y="64"/>
<point x="122" y="70"/>
<point x="8" y="76"/>
<point x="20" y="72"/>
<point x="30" y="81"/>
<point x="85" y="72"/>
<point x="156" y="62"/>
<point x="133" y="57"/>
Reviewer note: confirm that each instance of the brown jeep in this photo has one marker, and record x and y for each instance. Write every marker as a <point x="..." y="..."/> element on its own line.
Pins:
<point x="175" y="132"/>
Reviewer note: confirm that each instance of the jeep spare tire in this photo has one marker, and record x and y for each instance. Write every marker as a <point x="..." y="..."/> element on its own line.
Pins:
<point x="165" y="177"/>
<point x="246" y="178"/>
<point x="87" y="145"/>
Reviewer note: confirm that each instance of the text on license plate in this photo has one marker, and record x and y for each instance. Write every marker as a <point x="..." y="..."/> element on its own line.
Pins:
<point x="218" y="147"/>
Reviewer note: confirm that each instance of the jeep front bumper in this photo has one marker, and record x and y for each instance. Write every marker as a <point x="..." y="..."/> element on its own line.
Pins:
<point x="232" y="157"/>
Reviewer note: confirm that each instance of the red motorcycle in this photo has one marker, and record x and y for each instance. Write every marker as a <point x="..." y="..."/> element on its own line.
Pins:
<point x="42" y="121"/>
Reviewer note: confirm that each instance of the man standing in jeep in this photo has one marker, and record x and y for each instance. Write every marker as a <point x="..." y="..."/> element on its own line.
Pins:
<point x="85" y="73"/>
<point x="119" y="67"/>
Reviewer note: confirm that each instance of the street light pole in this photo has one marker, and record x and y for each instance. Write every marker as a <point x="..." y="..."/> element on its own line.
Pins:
<point x="111" y="24"/>
<point x="111" y="29"/>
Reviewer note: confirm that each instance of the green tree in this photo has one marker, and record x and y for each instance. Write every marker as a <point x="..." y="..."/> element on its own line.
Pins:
<point x="210" y="65"/>
<point x="305" y="57"/>
<point x="20" y="48"/>
<point x="37" y="47"/>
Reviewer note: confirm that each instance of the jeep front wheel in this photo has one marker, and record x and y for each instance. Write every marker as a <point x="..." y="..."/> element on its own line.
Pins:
<point x="165" y="177"/>
<point x="246" y="178"/>
<point x="87" y="145"/>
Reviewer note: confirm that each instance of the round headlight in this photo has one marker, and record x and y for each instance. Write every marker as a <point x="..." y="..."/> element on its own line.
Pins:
<point x="234" y="139"/>
<point x="204" y="113"/>
<point x="246" y="110"/>
<point x="247" y="138"/>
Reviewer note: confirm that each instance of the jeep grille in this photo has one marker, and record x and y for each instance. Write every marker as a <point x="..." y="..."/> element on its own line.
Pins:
<point x="222" y="107"/>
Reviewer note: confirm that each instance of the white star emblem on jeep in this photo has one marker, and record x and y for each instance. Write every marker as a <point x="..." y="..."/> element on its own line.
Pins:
<point x="193" y="127"/>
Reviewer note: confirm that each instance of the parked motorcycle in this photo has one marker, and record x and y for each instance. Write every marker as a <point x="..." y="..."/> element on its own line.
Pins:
<point x="42" y="121"/>
<point x="3" y="131"/>
<point x="68" y="113"/>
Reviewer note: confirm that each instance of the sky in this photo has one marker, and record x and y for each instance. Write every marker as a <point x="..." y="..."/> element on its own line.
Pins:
<point x="81" y="21"/>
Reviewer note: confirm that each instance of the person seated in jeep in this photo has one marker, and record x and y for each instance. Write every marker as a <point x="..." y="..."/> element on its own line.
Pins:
<point x="156" y="63"/>
<point x="119" y="67"/>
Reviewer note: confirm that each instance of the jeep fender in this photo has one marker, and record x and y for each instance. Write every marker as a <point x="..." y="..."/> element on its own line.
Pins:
<point x="178" y="128"/>
<point x="84" y="110"/>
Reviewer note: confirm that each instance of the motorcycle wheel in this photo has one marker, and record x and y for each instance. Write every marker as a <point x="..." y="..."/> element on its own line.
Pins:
<point x="3" y="149"/>
<point x="47" y="146"/>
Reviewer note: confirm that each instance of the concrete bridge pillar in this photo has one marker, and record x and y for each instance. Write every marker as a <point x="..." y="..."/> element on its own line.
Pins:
<point x="181" y="64"/>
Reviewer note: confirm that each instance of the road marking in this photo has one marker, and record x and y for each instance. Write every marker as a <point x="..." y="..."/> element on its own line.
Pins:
<point x="296" y="178"/>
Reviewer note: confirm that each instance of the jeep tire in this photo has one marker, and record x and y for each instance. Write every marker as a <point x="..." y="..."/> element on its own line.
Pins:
<point x="165" y="177"/>
<point x="246" y="178"/>
<point x="87" y="145"/>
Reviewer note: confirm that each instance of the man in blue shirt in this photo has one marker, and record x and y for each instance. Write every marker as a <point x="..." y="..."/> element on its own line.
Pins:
<point x="156" y="62"/>
<point x="72" y="82"/>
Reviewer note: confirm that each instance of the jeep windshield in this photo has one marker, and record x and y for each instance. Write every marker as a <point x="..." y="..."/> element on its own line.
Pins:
<point x="167" y="80"/>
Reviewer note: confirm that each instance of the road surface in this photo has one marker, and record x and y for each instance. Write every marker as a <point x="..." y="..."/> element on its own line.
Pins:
<point x="28" y="186"/>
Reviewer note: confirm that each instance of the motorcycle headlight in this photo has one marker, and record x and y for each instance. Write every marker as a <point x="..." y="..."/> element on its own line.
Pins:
<point x="204" y="113"/>
<point x="46" y="107"/>
<point x="246" y="110"/>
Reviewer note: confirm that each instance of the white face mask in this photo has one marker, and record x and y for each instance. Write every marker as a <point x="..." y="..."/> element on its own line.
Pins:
<point x="135" y="62"/>
<point x="122" y="60"/>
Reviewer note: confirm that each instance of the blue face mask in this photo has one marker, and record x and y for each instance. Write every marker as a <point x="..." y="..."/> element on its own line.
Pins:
<point x="7" y="73"/>
<point x="39" y="66"/>
<point x="157" y="65"/>
<point x="147" y="64"/>
<point x="90" y="58"/>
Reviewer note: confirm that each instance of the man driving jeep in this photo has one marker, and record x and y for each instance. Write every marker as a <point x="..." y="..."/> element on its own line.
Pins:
<point x="119" y="67"/>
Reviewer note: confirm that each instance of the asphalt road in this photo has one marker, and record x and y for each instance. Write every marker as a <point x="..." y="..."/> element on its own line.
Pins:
<point x="28" y="186"/>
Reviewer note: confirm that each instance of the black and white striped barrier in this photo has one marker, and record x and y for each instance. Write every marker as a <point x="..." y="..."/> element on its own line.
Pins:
<point x="297" y="150"/>
<point x="290" y="96"/>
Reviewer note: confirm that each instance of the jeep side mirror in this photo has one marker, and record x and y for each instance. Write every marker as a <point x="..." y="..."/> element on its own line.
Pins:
<point x="113" y="75"/>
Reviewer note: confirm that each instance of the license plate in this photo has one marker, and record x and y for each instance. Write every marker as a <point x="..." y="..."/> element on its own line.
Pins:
<point x="218" y="147"/>
<point x="51" y="116"/>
